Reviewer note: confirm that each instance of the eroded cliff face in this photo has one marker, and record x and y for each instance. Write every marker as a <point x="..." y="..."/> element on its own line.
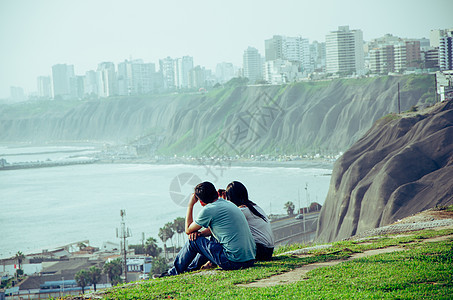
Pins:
<point x="292" y="119"/>
<point x="403" y="165"/>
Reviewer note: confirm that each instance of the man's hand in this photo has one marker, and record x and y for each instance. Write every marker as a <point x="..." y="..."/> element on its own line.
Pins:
<point x="193" y="200"/>
<point x="194" y="235"/>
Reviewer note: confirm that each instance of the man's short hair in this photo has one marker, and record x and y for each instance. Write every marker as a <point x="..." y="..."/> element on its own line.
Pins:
<point x="206" y="192"/>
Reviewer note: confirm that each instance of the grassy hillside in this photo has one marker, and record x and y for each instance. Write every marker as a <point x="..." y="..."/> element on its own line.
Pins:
<point x="296" y="118"/>
<point x="423" y="269"/>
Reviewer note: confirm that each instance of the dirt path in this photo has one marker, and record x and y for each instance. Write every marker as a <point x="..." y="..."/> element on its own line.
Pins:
<point x="299" y="273"/>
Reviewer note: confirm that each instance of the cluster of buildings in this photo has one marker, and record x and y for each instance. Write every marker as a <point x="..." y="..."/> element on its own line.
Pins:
<point x="345" y="53"/>
<point x="51" y="273"/>
<point x="286" y="59"/>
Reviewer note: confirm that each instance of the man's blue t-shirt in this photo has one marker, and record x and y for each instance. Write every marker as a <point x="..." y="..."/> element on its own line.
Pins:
<point x="229" y="226"/>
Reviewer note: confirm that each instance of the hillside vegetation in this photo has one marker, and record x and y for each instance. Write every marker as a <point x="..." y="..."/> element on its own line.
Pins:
<point x="324" y="116"/>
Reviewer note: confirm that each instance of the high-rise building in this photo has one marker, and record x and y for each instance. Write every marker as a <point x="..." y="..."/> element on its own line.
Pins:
<point x="17" y="93"/>
<point x="435" y="35"/>
<point x="413" y="58"/>
<point x="294" y="49"/>
<point x="430" y="58"/>
<point x="77" y="87"/>
<point x="167" y="68"/>
<point x="182" y="68"/>
<point x="106" y="79"/>
<point x="446" y="51"/>
<point x="224" y="72"/>
<point x="135" y="77"/>
<point x="273" y="48"/>
<point x="197" y="77"/>
<point x="252" y="65"/>
<point x="344" y="51"/>
<point x="318" y="56"/>
<point x="61" y="80"/>
<point x="91" y="84"/>
<point x="382" y="59"/>
<point x="44" y="87"/>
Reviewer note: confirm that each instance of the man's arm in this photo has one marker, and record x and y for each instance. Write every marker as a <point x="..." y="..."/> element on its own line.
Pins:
<point x="191" y="226"/>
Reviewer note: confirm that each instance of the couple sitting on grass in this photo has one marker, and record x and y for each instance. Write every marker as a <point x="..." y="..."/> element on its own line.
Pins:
<point x="236" y="232"/>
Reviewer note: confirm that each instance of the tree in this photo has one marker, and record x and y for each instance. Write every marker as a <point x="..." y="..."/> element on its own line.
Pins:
<point x="289" y="206"/>
<point x="83" y="279"/>
<point x="166" y="233"/>
<point x="159" y="265"/>
<point x="179" y="225"/>
<point x="94" y="276"/>
<point x="113" y="269"/>
<point x="19" y="258"/>
<point x="151" y="247"/>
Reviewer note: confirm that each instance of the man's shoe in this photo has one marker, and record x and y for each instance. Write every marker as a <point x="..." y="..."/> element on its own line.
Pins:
<point x="164" y="274"/>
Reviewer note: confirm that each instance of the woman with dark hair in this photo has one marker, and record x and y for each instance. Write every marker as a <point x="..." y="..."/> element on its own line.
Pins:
<point x="256" y="217"/>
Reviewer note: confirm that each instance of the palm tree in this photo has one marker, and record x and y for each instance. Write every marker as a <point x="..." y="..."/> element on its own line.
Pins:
<point x="179" y="225"/>
<point x="94" y="275"/>
<point x="289" y="206"/>
<point x="163" y="237"/>
<point x="82" y="278"/>
<point x="151" y="247"/>
<point x="113" y="269"/>
<point x="19" y="257"/>
<point x="166" y="233"/>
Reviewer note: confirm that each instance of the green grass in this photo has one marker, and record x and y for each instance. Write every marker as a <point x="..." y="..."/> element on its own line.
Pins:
<point x="423" y="270"/>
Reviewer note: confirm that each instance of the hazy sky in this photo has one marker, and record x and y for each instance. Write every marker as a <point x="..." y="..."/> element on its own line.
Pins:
<point x="36" y="34"/>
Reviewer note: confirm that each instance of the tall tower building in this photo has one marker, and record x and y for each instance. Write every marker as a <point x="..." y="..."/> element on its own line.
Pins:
<point x="106" y="79"/>
<point x="446" y="51"/>
<point x="182" y="68"/>
<point x="344" y="51"/>
<point x="224" y="72"/>
<point x="135" y="77"/>
<point x="273" y="48"/>
<point x="167" y="68"/>
<point x="61" y="80"/>
<point x="44" y="87"/>
<point x="90" y="83"/>
<point x="252" y="65"/>
<point x="294" y="49"/>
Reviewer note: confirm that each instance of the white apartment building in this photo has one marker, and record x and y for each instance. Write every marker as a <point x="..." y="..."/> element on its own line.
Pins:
<point x="344" y="51"/>
<point x="61" y="80"/>
<point x="106" y="79"/>
<point x="252" y="66"/>
<point x="281" y="71"/>
<point x="167" y="68"/>
<point x="135" y="77"/>
<point x="295" y="49"/>
<point x="91" y="83"/>
<point x="224" y="72"/>
<point x="446" y="51"/>
<point x="44" y="87"/>
<point x="182" y="68"/>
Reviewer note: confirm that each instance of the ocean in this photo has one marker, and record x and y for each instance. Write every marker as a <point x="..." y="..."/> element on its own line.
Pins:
<point x="45" y="208"/>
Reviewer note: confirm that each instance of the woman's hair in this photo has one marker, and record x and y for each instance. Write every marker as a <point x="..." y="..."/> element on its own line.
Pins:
<point x="237" y="193"/>
<point x="206" y="192"/>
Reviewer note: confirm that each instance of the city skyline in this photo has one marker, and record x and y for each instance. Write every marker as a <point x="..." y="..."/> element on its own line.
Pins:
<point x="40" y="34"/>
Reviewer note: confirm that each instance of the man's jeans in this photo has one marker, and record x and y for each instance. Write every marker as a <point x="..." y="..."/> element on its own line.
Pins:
<point x="209" y="251"/>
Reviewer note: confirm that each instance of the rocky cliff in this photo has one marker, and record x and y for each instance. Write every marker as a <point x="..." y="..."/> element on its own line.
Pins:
<point x="326" y="116"/>
<point x="401" y="166"/>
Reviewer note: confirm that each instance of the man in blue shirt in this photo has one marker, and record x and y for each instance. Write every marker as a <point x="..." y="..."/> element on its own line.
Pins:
<point x="233" y="246"/>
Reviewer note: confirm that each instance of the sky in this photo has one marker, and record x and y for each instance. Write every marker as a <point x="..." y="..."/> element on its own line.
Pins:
<point x="36" y="34"/>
